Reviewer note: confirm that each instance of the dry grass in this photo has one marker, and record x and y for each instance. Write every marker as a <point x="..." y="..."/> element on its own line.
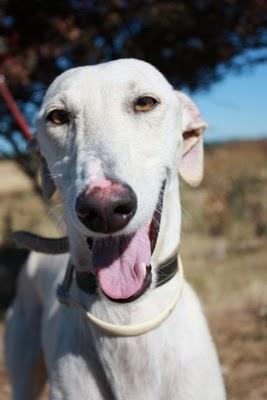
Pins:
<point x="233" y="290"/>
<point x="224" y="251"/>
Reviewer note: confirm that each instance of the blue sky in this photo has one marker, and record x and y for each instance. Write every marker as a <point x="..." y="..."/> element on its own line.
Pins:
<point x="236" y="107"/>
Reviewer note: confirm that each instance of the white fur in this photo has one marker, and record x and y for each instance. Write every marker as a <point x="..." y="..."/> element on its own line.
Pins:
<point x="106" y="137"/>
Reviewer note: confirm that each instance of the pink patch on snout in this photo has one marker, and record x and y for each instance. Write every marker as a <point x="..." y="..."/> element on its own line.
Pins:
<point x="101" y="183"/>
<point x="103" y="188"/>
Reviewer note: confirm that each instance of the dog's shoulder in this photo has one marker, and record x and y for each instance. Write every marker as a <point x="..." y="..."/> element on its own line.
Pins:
<point x="41" y="273"/>
<point x="39" y="264"/>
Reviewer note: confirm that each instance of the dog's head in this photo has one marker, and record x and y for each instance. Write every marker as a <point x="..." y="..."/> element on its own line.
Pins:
<point x="113" y="137"/>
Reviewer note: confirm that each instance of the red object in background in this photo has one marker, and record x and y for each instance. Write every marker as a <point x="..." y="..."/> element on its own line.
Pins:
<point x="15" y="111"/>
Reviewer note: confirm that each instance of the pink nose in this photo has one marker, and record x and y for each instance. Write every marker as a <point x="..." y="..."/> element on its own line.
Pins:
<point x="108" y="208"/>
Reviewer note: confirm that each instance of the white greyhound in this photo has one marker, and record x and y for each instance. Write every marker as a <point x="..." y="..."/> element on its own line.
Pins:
<point x="113" y="138"/>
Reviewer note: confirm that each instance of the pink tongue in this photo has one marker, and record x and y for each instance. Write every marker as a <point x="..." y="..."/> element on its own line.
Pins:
<point x="120" y="264"/>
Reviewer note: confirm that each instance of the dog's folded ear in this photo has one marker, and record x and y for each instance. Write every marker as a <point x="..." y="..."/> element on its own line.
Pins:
<point x="47" y="182"/>
<point x="193" y="126"/>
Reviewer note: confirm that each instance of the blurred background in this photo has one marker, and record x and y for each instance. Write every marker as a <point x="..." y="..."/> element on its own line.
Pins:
<point x="217" y="52"/>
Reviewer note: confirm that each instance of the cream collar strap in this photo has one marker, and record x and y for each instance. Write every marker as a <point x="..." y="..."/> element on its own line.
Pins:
<point x="65" y="297"/>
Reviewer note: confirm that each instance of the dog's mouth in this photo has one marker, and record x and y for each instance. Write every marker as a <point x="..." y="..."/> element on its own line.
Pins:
<point x="122" y="264"/>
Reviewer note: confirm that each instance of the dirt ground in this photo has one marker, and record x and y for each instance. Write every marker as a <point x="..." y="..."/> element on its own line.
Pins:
<point x="224" y="251"/>
<point x="15" y="181"/>
<point x="233" y="290"/>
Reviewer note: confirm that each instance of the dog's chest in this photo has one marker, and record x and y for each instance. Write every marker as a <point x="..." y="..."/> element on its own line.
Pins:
<point x="144" y="365"/>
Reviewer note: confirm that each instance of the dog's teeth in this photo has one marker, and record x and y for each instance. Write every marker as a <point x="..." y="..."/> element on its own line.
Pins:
<point x="143" y="268"/>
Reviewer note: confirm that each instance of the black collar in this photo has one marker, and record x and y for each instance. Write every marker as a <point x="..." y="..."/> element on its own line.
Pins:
<point x="87" y="281"/>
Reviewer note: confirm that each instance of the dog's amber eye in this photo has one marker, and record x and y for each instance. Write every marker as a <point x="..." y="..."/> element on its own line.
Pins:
<point x="58" y="117"/>
<point x="145" y="103"/>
